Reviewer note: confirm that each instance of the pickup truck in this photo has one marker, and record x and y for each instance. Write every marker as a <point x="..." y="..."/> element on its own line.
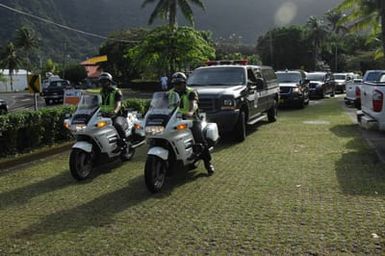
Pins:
<point x="236" y="95"/>
<point x="372" y="113"/>
<point x="54" y="92"/>
<point x="353" y="93"/>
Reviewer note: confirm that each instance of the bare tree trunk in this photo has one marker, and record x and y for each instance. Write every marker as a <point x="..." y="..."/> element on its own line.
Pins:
<point x="172" y="14"/>
<point x="11" y="80"/>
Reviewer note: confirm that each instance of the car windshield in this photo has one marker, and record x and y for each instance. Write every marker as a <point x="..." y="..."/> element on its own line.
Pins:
<point x="373" y="76"/>
<point x="58" y="84"/>
<point x="218" y="76"/>
<point x="289" y="77"/>
<point x="164" y="102"/>
<point x="315" y="77"/>
<point x="340" y="77"/>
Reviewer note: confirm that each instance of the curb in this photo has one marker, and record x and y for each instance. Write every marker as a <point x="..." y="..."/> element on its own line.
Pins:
<point x="22" y="160"/>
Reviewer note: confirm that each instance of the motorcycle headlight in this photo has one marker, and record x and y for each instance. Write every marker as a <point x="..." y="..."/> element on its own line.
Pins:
<point x="79" y="127"/>
<point x="154" y="130"/>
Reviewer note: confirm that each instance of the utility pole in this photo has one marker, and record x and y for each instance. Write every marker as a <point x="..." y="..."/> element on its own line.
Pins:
<point x="271" y="48"/>
<point x="336" y="57"/>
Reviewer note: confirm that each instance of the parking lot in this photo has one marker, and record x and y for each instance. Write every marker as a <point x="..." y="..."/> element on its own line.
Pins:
<point x="307" y="184"/>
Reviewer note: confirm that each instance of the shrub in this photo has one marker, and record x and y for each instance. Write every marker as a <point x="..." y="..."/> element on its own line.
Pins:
<point x="22" y="131"/>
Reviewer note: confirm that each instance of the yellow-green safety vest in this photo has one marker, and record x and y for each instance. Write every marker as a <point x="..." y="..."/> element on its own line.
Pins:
<point x="108" y="100"/>
<point x="184" y="106"/>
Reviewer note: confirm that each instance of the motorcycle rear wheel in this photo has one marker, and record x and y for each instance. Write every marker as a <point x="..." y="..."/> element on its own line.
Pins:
<point x="155" y="173"/>
<point x="80" y="164"/>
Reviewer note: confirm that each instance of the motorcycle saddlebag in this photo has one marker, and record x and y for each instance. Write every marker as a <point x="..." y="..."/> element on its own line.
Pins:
<point x="211" y="133"/>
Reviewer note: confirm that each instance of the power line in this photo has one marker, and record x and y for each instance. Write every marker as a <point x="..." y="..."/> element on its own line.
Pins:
<point x="63" y="26"/>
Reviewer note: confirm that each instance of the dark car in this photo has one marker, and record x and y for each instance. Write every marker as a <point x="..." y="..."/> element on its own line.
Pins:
<point x="3" y="107"/>
<point x="321" y="84"/>
<point x="54" y="92"/>
<point x="234" y="96"/>
<point x="294" y="88"/>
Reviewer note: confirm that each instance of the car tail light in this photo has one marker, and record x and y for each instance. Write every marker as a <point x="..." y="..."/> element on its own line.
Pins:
<point x="378" y="100"/>
<point x="358" y="92"/>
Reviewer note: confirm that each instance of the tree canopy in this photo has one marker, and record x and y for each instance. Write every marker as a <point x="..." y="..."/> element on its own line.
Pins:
<point x="165" y="49"/>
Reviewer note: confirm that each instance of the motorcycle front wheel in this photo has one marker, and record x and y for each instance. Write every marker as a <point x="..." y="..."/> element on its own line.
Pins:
<point x="155" y="173"/>
<point x="80" y="164"/>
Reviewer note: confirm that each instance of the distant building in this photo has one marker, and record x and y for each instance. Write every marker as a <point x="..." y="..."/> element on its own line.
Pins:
<point x="19" y="79"/>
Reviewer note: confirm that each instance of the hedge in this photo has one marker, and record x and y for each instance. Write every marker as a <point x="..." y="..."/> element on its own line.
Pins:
<point x="21" y="132"/>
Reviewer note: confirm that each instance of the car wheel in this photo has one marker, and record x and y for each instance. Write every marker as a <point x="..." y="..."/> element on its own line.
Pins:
<point x="273" y="112"/>
<point x="240" y="127"/>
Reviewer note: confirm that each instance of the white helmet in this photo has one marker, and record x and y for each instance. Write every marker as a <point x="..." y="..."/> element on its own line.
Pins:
<point x="105" y="76"/>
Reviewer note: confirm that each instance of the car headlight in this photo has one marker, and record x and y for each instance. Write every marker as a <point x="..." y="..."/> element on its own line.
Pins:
<point x="228" y="104"/>
<point x="296" y="90"/>
<point x="154" y="130"/>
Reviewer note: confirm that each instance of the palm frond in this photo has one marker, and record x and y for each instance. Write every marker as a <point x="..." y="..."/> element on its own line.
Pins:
<point x="186" y="11"/>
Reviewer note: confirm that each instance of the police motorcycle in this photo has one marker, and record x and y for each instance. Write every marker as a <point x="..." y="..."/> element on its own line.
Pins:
<point x="97" y="139"/>
<point x="170" y="139"/>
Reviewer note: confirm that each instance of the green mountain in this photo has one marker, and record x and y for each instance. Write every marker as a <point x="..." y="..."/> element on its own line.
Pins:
<point x="245" y="18"/>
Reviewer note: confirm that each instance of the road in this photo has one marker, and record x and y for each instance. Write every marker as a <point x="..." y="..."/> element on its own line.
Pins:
<point x="24" y="101"/>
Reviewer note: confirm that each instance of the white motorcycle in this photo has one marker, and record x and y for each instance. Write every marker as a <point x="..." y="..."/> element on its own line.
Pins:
<point x="97" y="139"/>
<point x="170" y="139"/>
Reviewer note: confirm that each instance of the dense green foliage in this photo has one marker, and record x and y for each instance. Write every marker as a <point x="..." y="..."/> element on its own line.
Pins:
<point x="286" y="47"/>
<point x="166" y="49"/>
<point x="367" y="16"/>
<point x="22" y="131"/>
<point x="120" y="66"/>
<point x="322" y="43"/>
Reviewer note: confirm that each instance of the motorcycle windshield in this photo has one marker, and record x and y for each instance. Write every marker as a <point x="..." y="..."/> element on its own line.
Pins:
<point x="164" y="103"/>
<point x="87" y="107"/>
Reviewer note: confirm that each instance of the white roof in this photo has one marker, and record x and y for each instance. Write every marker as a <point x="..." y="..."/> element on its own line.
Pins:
<point x="18" y="72"/>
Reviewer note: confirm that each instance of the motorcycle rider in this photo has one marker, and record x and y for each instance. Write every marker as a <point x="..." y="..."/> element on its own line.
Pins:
<point x="189" y="109"/>
<point x="112" y="104"/>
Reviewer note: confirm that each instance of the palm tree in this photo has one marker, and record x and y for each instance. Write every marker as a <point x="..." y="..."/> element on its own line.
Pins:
<point x="365" y="15"/>
<point x="317" y="33"/>
<point x="333" y="17"/>
<point x="167" y="9"/>
<point x="27" y="41"/>
<point x="10" y="60"/>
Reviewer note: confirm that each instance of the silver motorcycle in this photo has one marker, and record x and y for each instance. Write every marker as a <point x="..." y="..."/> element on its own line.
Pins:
<point x="97" y="140"/>
<point x="170" y="139"/>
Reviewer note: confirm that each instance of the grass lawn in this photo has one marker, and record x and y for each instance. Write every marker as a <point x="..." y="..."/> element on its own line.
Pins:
<point x="307" y="184"/>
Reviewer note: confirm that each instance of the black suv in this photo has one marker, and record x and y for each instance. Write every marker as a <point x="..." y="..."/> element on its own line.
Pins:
<point x="234" y="96"/>
<point x="54" y="92"/>
<point x="321" y="83"/>
<point x="294" y="88"/>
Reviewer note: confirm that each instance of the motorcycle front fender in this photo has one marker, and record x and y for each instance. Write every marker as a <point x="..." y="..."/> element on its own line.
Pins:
<point x="159" y="152"/>
<point x="85" y="146"/>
